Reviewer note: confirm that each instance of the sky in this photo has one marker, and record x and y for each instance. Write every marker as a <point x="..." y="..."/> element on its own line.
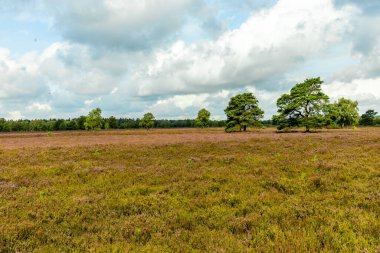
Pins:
<point x="60" y="59"/>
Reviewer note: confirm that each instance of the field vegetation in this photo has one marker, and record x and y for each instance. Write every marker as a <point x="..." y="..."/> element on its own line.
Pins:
<point x="191" y="191"/>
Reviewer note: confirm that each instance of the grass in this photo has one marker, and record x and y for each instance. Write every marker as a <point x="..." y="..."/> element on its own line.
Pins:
<point x="280" y="193"/>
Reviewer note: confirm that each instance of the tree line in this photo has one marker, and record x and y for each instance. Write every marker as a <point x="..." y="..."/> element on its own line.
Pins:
<point x="304" y="106"/>
<point x="106" y="123"/>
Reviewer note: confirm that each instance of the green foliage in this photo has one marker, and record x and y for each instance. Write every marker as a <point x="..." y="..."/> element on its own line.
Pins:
<point x="97" y="152"/>
<point x="4" y="125"/>
<point x="368" y="118"/>
<point x="203" y="119"/>
<point x="242" y="112"/>
<point x="80" y="122"/>
<point x="343" y="113"/>
<point x="303" y="107"/>
<point x="112" y="122"/>
<point x="94" y="120"/>
<point x="44" y="125"/>
<point x="147" y="121"/>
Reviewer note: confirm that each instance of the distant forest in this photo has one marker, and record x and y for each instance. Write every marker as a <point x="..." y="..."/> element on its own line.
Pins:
<point x="78" y="124"/>
<point x="113" y="123"/>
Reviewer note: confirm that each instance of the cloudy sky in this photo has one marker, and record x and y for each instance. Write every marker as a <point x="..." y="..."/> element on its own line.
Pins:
<point x="173" y="57"/>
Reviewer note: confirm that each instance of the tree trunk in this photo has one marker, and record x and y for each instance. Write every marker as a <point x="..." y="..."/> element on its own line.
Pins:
<point x="307" y="117"/>
<point x="245" y="128"/>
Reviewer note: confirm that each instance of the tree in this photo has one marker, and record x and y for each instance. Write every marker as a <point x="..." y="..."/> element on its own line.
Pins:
<point x="63" y="125"/>
<point x="343" y="113"/>
<point x="111" y="122"/>
<point x="377" y="121"/>
<point x="80" y="122"/>
<point x="147" y="121"/>
<point x="368" y="118"/>
<point x="302" y="107"/>
<point x="72" y="125"/>
<point x="242" y="112"/>
<point x="4" y="125"/>
<point x="94" y="120"/>
<point x="203" y="119"/>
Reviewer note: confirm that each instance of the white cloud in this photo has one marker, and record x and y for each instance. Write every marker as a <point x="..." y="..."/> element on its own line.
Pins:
<point x="20" y="78"/>
<point x="15" y="115"/>
<point x="365" y="91"/>
<point x="74" y="68"/>
<point x="38" y="107"/>
<point x="265" y="47"/>
<point x="186" y="106"/>
<point x="183" y="101"/>
<point x="366" y="48"/>
<point x="132" y="24"/>
<point x="114" y="90"/>
<point x="89" y="101"/>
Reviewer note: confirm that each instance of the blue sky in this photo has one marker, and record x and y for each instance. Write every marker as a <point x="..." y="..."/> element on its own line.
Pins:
<point x="172" y="57"/>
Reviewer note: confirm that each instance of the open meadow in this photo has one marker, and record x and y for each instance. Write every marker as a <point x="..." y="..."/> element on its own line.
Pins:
<point x="189" y="190"/>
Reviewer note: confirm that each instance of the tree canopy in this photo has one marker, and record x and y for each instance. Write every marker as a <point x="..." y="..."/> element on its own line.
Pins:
<point x="147" y="121"/>
<point x="343" y="113"/>
<point x="94" y="120"/>
<point x="111" y="123"/>
<point x="203" y="119"/>
<point x="303" y="107"/>
<point x="368" y="118"/>
<point x="243" y="112"/>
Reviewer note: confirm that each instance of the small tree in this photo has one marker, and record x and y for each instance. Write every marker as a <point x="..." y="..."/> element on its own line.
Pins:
<point x="368" y="118"/>
<point x="302" y="107"/>
<point x="147" y="121"/>
<point x="94" y="120"/>
<point x="242" y="112"/>
<point x="343" y="113"/>
<point x="203" y="119"/>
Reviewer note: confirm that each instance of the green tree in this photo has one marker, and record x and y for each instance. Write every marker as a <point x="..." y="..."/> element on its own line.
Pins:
<point x="242" y="112"/>
<point x="80" y="122"/>
<point x="94" y="120"/>
<point x="147" y="121"/>
<point x="63" y="125"/>
<point x="112" y="123"/>
<point x="203" y="119"/>
<point x="368" y="118"/>
<point x="343" y="113"/>
<point x="302" y="107"/>
<point x="4" y="125"/>
<point x="72" y="125"/>
<point x="377" y="121"/>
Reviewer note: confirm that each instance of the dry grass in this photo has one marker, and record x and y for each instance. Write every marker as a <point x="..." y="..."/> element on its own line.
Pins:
<point x="190" y="190"/>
